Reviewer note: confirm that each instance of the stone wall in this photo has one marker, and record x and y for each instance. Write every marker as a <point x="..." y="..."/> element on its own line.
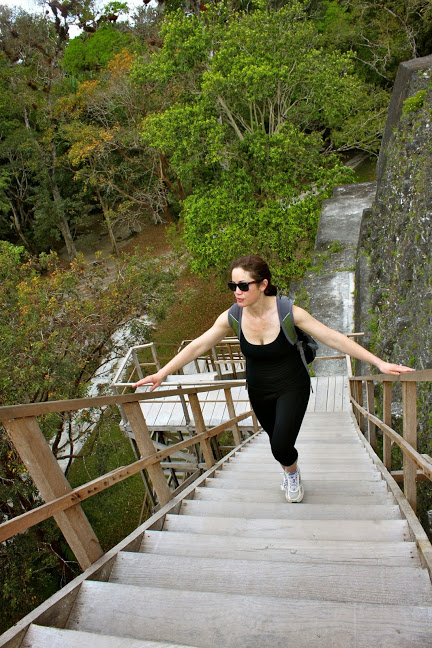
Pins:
<point x="394" y="270"/>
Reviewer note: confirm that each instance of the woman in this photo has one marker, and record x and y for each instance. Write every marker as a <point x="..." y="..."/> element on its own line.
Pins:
<point x="278" y="382"/>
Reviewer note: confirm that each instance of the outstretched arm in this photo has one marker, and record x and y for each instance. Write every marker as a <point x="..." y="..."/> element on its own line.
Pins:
<point x="197" y="347"/>
<point x="342" y="343"/>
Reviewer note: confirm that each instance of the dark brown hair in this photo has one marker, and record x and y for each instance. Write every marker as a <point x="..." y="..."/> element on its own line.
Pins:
<point x="257" y="268"/>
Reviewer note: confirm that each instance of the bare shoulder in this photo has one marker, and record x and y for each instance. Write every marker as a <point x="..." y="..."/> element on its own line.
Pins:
<point x="300" y="315"/>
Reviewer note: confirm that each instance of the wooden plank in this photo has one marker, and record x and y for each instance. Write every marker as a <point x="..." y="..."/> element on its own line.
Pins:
<point x="311" y="452"/>
<point x="146" y="448"/>
<point x="330" y="406"/>
<point x="200" y="428"/>
<point x="42" y="637"/>
<point x="51" y="483"/>
<point x="293" y="512"/>
<point x="339" y="389"/>
<point x="387" y="419"/>
<point x="313" y="460"/>
<point x="161" y="614"/>
<point x="39" y="409"/>
<point x="311" y="485"/>
<point x="262" y="475"/>
<point x="371" y="427"/>
<point x="358" y="530"/>
<point x="409" y="403"/>
<point x="321" y="394"/>
<point x="282" y="549"/>
<point x="272" y="495"/>
<point x="323" y="582"/>
<point x="346" y="396"/>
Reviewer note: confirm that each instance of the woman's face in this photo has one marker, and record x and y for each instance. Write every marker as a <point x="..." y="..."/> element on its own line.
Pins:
<point x="255" y="292"/>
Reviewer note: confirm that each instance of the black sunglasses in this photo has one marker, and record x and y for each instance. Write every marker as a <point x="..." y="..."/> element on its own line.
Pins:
<point x="243" y="285"/>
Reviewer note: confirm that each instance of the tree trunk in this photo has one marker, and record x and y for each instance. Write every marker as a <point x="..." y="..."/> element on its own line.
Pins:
<point x="62" y="223"/>
<point x="105" y="212"/>
<point x="19" y="230"/>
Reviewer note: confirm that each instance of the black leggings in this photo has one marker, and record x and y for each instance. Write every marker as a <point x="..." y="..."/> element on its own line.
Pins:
<point x="281" y="415"/>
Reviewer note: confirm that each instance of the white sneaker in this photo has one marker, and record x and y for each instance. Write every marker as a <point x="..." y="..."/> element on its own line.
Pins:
<point x="294" y="491"/>
<point x="284" y="484"/>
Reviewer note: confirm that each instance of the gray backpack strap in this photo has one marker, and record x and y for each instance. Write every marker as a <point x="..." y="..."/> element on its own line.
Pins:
<point x="234" y="319"/>
<point x="286" y="317"/>
<point x="284" y="305"/>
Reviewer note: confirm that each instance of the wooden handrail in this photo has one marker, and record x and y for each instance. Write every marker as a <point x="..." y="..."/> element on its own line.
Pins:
<point x="38" y="409"/>
<point x="412" y="459"/>
<point x="61" y="499"/>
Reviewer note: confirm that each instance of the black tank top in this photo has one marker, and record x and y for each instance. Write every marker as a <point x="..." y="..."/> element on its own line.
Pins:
<point x="275" y="366"/>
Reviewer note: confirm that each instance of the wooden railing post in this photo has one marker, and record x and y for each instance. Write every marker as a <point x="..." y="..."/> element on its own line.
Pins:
<point x="51" y="483"/>
<point x="216" y="363"/>
<point x="409" y="402"/>
<point x="146" y="447"/>
<point x="370" y="395"/>
<point x="232" y="414"/>
<point x="358" y="397"/>
<point x="387" y="419"/>
<point x="155" y="356"/>
<point x="201" y="427"/>
<point x="255" y="422"/>
<point x="137" y="364"/>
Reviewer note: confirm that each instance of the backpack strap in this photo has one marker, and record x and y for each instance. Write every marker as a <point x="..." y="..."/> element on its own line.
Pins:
<point x="288" y="326"/>
<point x="286" y="318"/>
<point x="234" y="319"/>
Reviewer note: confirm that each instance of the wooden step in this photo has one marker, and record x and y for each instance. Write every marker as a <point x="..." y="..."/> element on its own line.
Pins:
<point x="323" y="582"/>
<point x="328" y="463"/>
<point x="290" y="511"/>
<point x="293" y="550"/>
<point x="358" y="530"/>
<point x="276" y="495"/>
<point x="261" y="475"/>
<point x="44" y="637"/>
<point x="231" y="621"/>
<point x="311" y="485"/>
<point x="309" y="451"/>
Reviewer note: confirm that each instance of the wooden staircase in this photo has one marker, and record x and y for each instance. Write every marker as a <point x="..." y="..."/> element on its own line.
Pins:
<point x="233" y="565"/>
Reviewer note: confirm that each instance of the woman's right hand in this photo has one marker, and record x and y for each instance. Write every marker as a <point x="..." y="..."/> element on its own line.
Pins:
<point x="156" y="379"/>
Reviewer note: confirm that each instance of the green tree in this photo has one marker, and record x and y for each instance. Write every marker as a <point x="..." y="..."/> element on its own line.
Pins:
<point x="381" y="34"/>
<point x="257" y="107"/>
<point x="29" y="72"/>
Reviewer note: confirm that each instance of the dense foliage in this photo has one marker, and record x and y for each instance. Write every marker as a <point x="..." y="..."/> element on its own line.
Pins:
<point x="257" y="110"/>
<point x="57" y="330"/>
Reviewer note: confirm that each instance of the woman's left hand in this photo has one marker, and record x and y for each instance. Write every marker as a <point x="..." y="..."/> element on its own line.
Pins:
<point x="393" y="369"/>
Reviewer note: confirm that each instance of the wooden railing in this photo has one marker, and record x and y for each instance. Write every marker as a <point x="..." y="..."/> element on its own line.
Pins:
<point x="416" y="466"/>
<point x="226" y="355"/>
<point x="62" y="501"/>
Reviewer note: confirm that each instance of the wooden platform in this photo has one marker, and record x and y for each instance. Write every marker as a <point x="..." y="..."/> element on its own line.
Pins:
<point x="231" y="564"/>
<point x="330" y="394"/>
